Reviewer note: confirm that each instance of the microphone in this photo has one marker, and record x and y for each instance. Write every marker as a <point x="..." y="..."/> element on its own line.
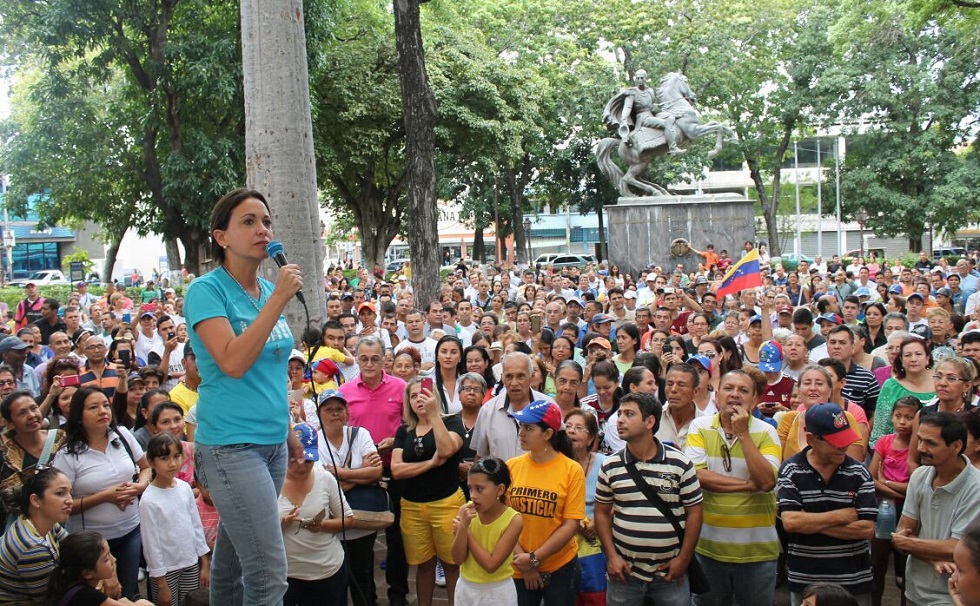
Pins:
<point x="278" y="254"/>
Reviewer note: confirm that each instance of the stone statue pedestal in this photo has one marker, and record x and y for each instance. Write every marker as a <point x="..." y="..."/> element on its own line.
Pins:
<point x="640" y="229"/>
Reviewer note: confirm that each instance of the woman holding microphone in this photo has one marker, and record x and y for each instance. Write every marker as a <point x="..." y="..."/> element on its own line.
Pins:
<point x="243" y="344"/>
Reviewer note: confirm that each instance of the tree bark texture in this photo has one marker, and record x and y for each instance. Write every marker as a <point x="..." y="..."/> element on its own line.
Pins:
<point x="279" y="141"/>
<point x="419" y="106"/>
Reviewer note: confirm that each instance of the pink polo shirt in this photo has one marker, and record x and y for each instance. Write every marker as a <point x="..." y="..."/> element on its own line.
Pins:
<point x="377" y="410"/>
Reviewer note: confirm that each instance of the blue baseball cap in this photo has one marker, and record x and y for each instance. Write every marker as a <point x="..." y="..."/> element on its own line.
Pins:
<point x="540" y="411"/>
<point x="307" y="437"/>
<point x="830" y="317"/>
<point x="771" y="357"/>
<point x="829" y="421"/>
<point x="895" y="289"/>
<point x="754" y="319"/>
<point x="862" y="291"/>
<point x="331" y="394"/>
<point x="701" y="361"/>
<point x="601" y="319"/>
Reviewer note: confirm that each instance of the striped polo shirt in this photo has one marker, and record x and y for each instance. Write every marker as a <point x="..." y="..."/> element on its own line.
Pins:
<point x="820" y="558"/>
<point x="27" y="560"/>
<point x="861" y="387"/>
<point x="641" y="534"/>
<point x="738" y="527"/>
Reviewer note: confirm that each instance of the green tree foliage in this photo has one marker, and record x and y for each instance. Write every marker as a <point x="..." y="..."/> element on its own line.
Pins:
<point x="149" y="96"/>
<point x="915" y="91"/>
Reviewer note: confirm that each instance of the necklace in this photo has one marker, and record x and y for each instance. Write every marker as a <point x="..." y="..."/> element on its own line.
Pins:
<point x="253" y="303"/>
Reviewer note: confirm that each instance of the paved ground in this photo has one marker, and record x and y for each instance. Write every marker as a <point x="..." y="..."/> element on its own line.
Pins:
<point x="891" y="597"/>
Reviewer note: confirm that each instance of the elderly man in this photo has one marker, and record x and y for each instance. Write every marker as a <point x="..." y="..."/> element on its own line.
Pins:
<point x="495" y="432"/>
<point x="13" y="351"/>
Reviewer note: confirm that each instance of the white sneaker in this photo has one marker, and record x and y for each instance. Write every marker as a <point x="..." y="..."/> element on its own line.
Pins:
<point x="440" y="575"/>
<point x="141" y="575"/>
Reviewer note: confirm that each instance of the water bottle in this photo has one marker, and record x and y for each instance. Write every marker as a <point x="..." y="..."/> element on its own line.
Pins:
<point x="887" y="519"/>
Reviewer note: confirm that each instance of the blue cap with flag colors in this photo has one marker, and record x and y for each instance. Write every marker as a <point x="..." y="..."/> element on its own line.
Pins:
<point x="771" y="357"/>
<point x="829" y="422"/>
<point x="540" y="411"/>
<point x="307" y="437"/>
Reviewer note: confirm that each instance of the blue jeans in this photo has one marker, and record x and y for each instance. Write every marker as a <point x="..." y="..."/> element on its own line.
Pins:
<point x="745" y="584"/>
<point x="127" y="549"/>
<point x="658" y="591"/>
<point x="248" y="566"/>
<point x="561" y="590"/>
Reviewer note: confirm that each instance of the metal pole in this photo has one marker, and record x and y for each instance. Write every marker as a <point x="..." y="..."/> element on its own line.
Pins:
<point x="796" y="169"/>
<point x="7" y="230"/>
<point x="837" y="145"/>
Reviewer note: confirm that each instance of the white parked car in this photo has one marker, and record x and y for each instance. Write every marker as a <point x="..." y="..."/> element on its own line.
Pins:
<point x="46" y="277"/>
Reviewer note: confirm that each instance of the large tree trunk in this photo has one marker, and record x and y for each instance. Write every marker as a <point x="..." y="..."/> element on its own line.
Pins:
<point x="516" y="181"/>
<point x="173" y="254"/>
<point x="279" y="140"/>
<point x="115" y="241"/>
<point x="377" y="210"/>
<point x="419" y="107"/>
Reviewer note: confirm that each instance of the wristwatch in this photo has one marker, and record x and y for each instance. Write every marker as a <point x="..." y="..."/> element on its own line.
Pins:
<point x="534" y="559"/>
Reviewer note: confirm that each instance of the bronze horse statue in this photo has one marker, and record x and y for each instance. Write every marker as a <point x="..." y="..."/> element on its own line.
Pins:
<point x="642" y="138"/>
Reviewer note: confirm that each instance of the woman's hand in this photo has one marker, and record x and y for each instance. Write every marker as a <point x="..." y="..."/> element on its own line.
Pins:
<point x="431" y="404"/>
<point x="533" y="580"/>
<point x="522" y="562"/>
<point x="587" y="529"/>
<point x="289" y="281"/>
<point x="290" y="517"/>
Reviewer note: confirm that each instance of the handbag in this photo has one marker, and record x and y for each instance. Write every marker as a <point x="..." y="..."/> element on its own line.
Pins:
<point x="697" y="580"/>
<point x="368" y="502"/>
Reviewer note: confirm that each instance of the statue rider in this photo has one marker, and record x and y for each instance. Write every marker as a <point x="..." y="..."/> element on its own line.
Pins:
<point x="640" y="104"/>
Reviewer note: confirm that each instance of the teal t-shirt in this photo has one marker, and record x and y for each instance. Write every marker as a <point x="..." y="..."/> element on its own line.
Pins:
<point x="255" y="408"/>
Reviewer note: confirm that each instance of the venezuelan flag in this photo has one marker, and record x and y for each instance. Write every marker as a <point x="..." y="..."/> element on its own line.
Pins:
<point x="744" y="274"/>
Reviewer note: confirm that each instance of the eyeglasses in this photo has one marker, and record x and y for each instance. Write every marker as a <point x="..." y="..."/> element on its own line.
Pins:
<point x="94" y="347"/>
<point x="948" y="378"/>
<point x="8" y="382"/>
<point x="418" y="447"/>
<point x="576" y="429"/>
<point x="471" y="388"/>
<point x="365" y="361"/>
<point x="709" y="354"/>
<point x="726" y="457"/>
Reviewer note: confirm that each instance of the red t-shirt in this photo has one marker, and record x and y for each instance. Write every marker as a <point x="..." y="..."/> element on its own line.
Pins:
<point x="778" y="392"/>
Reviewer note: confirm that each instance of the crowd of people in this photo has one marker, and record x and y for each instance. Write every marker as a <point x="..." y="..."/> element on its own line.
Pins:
<point x="530" y="437"/>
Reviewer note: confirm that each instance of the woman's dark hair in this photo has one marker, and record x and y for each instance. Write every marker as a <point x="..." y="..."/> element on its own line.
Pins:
<point x="160" y="446"/>
<point x="56" y="366"/>
<point x="633" y="331"/>
<point x="571" y="345"/>
<point x="575" y="367"/>
<point x="971" y="540"/>
<point x="312" y="337"/>
<point x="880" y="307"/>
<point x="221" y="215"/>
<point x="76" y="440"/>
<point x="971" y="419"/>
<point x="734" y="361"/>
<point x="479" y="337"/>
<point x="460" y="366"/>
<point x="492" y="316"/>
<point x="908" y="402"/>
<point x="488" y="375"/>
<point x="560" y="440"/>
<point x="80" y="551"/>
<point x="680" y="341"/>
<point x="633" y="376"/>
<point x="114" y="347"/>
<point x="18" y="497"/>
<point x="898" y="369"/>
<point x="547" y="337"/>
<point x="145" y="403"/>
<point x="8" y="403"/>
<point x="649" y="361"/>
<point x="162" y="406"/>
<point x="829" y="594"/>
<point x="495" y="470"/>
<point x="606" y="369"/>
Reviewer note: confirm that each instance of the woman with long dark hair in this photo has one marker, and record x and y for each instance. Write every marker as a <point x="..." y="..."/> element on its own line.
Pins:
<point x="449" y="366"/>
<point x="477" y="360"/>
<point x="108" y="473"/>
<point x="547" y="547"/>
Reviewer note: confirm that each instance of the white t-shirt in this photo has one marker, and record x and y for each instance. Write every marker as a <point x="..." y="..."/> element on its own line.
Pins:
<point x="144" y="344"/>
<point x="93" y="471"/>
<point x="363" y="446"/>
<point x="176" y="363"/>
<point x="173" y="537"/>
<point x="312" y="556"/>
<point x="426" y="348"/>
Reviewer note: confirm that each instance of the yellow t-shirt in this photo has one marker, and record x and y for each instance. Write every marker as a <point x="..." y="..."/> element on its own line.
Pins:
<point x="183" y="397"/>
<point x="545" y="496"/>
<point x="790" y="432"/>
<point x="329" y="353"/>
<point x="487" y="536"/>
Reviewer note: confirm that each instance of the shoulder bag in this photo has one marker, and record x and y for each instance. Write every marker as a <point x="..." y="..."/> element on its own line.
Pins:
<point x="696" y="578"/>
<point x="368" y="502"/>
